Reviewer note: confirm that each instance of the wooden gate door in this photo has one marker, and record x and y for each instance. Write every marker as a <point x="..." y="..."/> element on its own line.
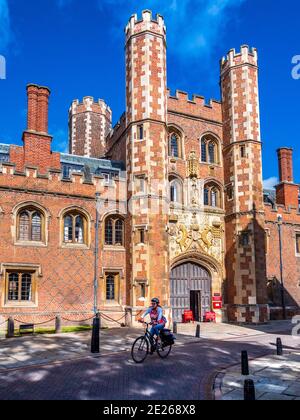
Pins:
<point x="187" y="278"/>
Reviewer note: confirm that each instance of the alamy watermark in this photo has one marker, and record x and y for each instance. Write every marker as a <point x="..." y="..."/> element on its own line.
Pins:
<point x="2" y="67"/>
<point x="296" y="68"/>
<point x="3" y="325"/>
<point x="296" y="328"/>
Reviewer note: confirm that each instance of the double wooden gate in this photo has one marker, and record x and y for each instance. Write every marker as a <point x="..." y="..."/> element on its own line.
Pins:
<point x="190" y="284"/>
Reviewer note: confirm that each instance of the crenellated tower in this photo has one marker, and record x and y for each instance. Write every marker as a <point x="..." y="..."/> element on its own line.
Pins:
<point x="245" y="230"/>
<point x="147" y="157"/>
<point x="89" y="125"/>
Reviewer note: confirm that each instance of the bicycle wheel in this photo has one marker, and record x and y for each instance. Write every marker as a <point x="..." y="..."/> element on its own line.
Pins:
<point x="140" y="350"/>
<point x="163" y="350"/>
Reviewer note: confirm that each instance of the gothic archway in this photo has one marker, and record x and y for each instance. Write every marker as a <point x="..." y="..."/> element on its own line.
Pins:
<point x="191" y="288"/>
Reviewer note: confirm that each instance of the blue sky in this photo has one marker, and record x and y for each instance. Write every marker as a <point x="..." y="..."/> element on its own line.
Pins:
<point x="77" y="49"/>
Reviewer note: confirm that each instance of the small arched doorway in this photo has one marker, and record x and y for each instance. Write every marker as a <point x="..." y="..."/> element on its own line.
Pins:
<point x="190" y="289"/>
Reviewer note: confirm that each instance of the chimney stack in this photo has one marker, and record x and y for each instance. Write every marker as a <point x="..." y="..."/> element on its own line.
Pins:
<point x="287" y="193"/>
<point x="38" y="99"/>
<point x="285" y="159"/>
<point x="37" y="142"/>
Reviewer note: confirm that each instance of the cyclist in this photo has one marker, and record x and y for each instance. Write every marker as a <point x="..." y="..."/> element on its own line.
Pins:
<point x="158" y="321"/>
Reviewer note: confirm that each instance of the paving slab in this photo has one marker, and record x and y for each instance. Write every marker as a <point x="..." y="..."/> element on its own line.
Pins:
<point x="275" y="397"/>
<point x="293" y="390"/>
<point x="275" y="378"/>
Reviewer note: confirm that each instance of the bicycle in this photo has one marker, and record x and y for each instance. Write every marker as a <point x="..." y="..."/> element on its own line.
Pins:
<point x="147" y="344"/>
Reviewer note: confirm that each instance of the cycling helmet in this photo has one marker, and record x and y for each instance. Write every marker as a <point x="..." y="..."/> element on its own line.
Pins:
<point x="155" y="300"/>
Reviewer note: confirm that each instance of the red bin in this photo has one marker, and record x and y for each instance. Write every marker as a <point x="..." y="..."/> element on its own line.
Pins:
<point x="210" y="317"/>
<point x="187" y="317"/>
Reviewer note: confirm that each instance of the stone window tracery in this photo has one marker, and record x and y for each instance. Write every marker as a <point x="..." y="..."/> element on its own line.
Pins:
<point x="212" y="195"/>
<point x="114" y="231"/>
<point x="75" y="227"/>
<point x="210" y="150"/>
<point x="30" y="225"/>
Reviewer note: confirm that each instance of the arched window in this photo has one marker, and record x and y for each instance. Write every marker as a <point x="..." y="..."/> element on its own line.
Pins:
<point x="210" y="150"/>
<point x="114" y="231"/>
<point x="30" y="225"/>
<point x="75" y="228"/>
<point x="176" y="193"/>
<point x="212" y="196"/>
<point x="175" y="146"/>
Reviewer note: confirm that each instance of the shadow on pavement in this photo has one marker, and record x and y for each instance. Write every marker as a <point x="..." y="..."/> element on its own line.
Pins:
<point x="184" y="376"/>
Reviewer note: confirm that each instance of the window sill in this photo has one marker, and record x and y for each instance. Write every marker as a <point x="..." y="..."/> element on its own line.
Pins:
<point x="31" y="244"/>
<point x="175" y="159"/>
<point x="111" y="304"/>
<point x="209" y="209"/>
<point x="74" y="246"/>
<point x="18" y="305"/>
<point x="114" y="248"/>
<point x="212" y="165"/>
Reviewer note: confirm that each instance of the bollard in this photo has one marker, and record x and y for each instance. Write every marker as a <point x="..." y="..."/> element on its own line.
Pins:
<point x="175" y="327"/>
<point x="95" y="344"/>
<point x="279" y="347"/>
<point x="10" y="328"/>
<point x="198" y="331"/>
<point x="245" y="363"/>
<point x="249" y="390"/>
<point x="58" y="325"/>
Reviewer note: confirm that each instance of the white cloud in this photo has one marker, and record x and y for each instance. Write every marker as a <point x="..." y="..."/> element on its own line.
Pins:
<point x="270" y="183"/>
<point x="196" y="26"/>
<point x="5" y="28"/>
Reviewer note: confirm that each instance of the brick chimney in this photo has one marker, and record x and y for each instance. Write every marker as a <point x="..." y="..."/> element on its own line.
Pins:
<point x="285" y="160"/>
<point x="38" y="100"/>
<point x="287" y="193"/>
<point x="37" y="142"/>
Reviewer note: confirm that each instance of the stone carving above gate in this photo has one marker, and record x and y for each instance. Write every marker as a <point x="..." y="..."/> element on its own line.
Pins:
<point x="189" y="234"/>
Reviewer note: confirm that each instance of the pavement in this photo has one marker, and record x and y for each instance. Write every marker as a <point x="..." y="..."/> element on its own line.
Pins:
<point x="42" y="349"/>
<point x="61" y="367"/>
<point x="35" y="350"/>
<point x="212" y="331"/>
<point x="275" y="378"/>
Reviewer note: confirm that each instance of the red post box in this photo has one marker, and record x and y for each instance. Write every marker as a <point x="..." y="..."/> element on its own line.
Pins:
<point x="217" y="301"/>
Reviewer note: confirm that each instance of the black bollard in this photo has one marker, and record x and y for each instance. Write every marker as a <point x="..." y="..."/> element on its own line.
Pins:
<point x="10" y="328"/>
<point x="95" y="345"/>
<point x="249" y="390"/>
<point x="175" y="327"/>
<point x="58" y="325"/>
<point x="279" y="347"/>
<point x="245" y="363"/>
<point x="198" y="331"/>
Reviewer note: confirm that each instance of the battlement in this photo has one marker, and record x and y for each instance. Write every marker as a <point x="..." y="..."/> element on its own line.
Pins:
<point x="53" y="182"/>
<point x="245" y="55"/>
<point x="291" y="214"/>
<point x="197" y="106"/>
<point x="88" y="104"/>
<point x="146" y="23"/>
